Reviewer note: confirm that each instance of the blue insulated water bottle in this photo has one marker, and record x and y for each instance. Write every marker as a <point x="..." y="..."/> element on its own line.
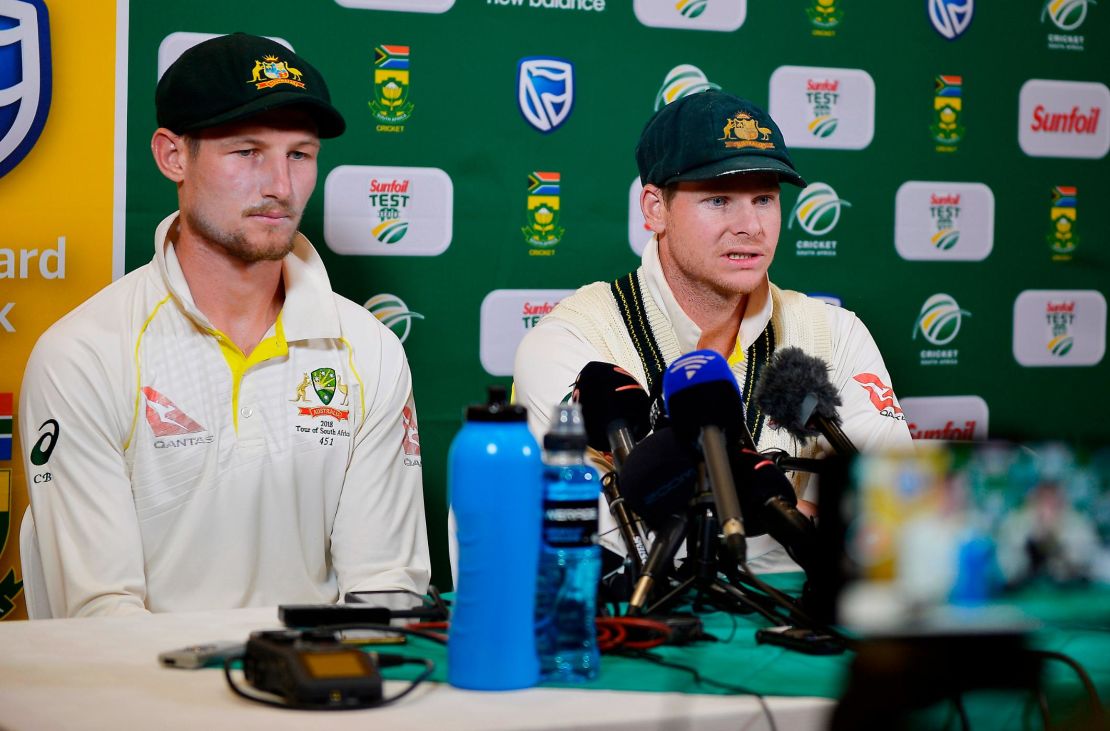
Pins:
<point x="494" y="478"/>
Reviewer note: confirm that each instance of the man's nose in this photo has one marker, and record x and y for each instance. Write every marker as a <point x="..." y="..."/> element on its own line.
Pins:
<point x="744" y="220"/>
<point x="277" y="178"/>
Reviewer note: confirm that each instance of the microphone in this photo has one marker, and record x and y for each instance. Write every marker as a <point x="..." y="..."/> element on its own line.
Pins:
<point x="796" y="394"/>
<point x="770" y="503"/>
<point x="614" y="408"/>
<point x="615" y="414"/>
<point x="704" y="403"/>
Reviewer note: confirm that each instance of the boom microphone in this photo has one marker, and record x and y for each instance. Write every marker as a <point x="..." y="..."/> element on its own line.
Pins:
<point x="796" y="394"/>
<point x="704" y="402"/>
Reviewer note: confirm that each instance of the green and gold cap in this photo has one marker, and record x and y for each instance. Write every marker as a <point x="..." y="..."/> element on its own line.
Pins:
<point x="709" y="134"/>
<point x="233" y="77"/>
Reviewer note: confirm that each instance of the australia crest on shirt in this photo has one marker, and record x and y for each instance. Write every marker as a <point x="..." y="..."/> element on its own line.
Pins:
<point x="322" y="399"/>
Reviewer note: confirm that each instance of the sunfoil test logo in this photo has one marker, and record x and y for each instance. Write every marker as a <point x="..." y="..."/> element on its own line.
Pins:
<point x="391" y="105"/>
<point x="943" y="221"/>
<point x="825" y="108"/>
<point x="683" y="80"/>
<point x="392" y="312"/>
<point x="714" y="15"/>
<point x="1059" y="327"/>
<point x="817" y="212"/>
<point x="950" y="18"/>
<point x="939" y="323"/>
<point x="947" y="108"/>
<point x="506" y="316"/>
<point x="390" y="198"/>
<point x="25" y="78"/>
<point x="825" y="17"/>
<point x="545" y="91"/>
<point x="543" y="231"/>
<point x="1062" y="237"/>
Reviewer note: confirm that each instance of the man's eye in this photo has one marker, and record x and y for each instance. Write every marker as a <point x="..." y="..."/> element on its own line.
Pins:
<point x="717" y="201"/>
<point x="298" y="155"/>
<point x="244" y="153"/>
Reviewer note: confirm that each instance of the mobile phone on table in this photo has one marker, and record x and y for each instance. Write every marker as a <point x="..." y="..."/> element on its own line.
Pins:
<point x="199" y="656"/>
<point x="404" y="606"/>
<point x="800" y="639"/>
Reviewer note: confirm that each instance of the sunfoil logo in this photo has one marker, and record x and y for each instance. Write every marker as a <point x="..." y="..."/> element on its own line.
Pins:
<point x="940" y="319"/>
<point x="682" y="80"/>
<point x="393" y="313"/>
<point x="1065" y="14"/>
<point x="817" y="210"/>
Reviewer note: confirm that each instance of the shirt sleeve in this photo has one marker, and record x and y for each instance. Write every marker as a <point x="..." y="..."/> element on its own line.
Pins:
<point x="547" y="364"/>
<point x="869" y="410"/>
<point x="74" y="429"/>
<point x="379" y="538"/>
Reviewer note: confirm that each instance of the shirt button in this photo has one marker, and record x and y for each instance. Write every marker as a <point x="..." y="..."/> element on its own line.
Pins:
<point x="247" y="412"/>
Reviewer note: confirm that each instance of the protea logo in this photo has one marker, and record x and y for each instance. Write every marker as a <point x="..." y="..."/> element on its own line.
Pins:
<point x="393" y="313"/>
<point x="1066" y="14"/>
<point x="817" y="210"/>
<point x="691" y="8"/>
<point x="940" y="318"/>
<point x="682" y="80"/>
<point x="951" y="18"/>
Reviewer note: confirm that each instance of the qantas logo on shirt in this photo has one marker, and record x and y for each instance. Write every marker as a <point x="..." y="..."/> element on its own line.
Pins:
<point x="882" y="395"/>
<point x="165" y="418"/>
<point x="410" y="440"/>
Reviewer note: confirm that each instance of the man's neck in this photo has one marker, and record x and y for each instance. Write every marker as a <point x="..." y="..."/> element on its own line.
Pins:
<point x="717" y="315"/>
<point x="241" y="299"/>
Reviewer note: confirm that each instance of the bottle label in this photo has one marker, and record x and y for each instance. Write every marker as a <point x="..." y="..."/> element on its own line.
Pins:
<point x="569" y="523"/>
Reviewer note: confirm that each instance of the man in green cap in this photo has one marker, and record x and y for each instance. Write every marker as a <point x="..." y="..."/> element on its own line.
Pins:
<point x="218" y="428"/>
<point x="711" y="165"/>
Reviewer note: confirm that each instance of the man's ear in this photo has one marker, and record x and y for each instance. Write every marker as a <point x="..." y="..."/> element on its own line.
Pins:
<point x="170" y="154"/>
<point x="654" y="207"/>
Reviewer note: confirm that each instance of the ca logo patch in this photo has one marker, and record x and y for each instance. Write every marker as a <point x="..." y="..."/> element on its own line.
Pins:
<point x="25" y="78"/>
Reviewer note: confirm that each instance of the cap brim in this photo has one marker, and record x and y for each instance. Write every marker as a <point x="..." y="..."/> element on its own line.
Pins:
<point x="741" y="164"/>
<point x="329" y="122"/>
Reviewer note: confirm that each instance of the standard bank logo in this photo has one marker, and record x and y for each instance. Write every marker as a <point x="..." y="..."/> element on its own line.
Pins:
<point x="401" y="6"/>
<point x="506" y="317"/>
<point x="1059" y="327"/>
<point x="1063" y="119"/>
<point x="951" y="18"/>
<point x="682" y="80"/>
<point x="392" y="312"/>
<point x="718" y="15"/>
<point x="25" y="78"/>
<point x="817" y="212"/>
<point x="388" y="211"/>
<point x="959" y="418"/>
<point x="825" y="108"/>
<point x="545" y="91"/>
<point x="943" y="221"/>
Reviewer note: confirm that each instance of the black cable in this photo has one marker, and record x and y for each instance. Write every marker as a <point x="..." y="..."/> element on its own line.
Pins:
<point x="958" y="703"/>
<point x="1084" y="678"/>
<point x="701" y="680"/>
<point x="429" y="668"/>
<point x="1042" y="703"/>
<point x="799" y="615"/>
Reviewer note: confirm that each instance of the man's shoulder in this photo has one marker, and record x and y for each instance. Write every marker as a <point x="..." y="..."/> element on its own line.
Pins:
<point x="589" y="299"/>
<point x="118" y="308"/>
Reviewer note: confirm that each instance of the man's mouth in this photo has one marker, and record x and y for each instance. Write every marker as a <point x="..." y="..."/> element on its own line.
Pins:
<point x="740" y="257"/>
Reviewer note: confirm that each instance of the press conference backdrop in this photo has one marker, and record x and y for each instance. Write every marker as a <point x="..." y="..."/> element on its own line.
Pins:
<point x="956" y="155"/>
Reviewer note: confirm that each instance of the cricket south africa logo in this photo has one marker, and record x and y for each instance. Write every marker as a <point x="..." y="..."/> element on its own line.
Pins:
<point x="1062" y="237"/>
<point x="392" y="312"/>
<point x="939" y="324"/>
<point x="950" y="18"/>
<point x="682" y="80"/>
<point x="389" y="198"/>
<point x="824" y="16"/>
<point x="272" y="71"/>
<point x="691" y="8"/>
<point x="543" y="231"/>
<point x="817" y="213"/>
<point x="326" y="383"/>
<point x="25" y="78"/>
<point x="947" y="106"/>
<point x="391" y="105"/>
<point x="1067" y="16"/>
<point x="545" y="91"/>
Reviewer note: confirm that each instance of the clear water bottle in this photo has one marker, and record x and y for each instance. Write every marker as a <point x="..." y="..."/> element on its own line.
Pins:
<point x="570" y="559"/>
<point x="494" y="481"/>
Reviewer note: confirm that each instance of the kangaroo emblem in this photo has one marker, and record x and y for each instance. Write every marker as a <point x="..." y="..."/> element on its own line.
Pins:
<point x="341" y="388"/>
<point x="301" y="390"/>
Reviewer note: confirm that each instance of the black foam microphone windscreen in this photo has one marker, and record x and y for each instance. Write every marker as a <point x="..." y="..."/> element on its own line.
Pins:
<point x="610" y="395"/>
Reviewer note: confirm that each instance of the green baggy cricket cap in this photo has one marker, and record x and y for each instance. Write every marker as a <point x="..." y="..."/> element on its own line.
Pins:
<point x="233" y="77"/>
<point x="709" y="134"/>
